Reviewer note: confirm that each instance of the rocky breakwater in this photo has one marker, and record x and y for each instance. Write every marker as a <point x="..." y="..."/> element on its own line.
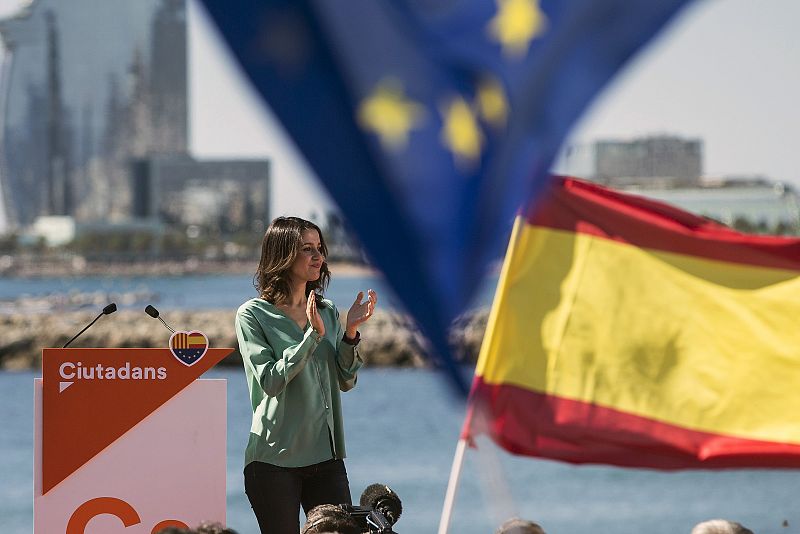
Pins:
<point x="389" y="339"/>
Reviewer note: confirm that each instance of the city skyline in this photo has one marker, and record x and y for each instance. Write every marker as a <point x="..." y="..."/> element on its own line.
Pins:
<point x="724" y="72"/>
<point x="76" y="114"/>
<point x="100" y="134"/>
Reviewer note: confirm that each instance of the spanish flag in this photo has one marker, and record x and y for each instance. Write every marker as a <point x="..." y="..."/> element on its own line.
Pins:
<point x="628" y="332"/>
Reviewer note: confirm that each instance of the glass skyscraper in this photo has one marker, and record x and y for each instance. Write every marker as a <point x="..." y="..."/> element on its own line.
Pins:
<point x="88" y="86"/>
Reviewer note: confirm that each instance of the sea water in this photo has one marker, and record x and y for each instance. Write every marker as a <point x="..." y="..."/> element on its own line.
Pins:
<point x="402" y="427"/>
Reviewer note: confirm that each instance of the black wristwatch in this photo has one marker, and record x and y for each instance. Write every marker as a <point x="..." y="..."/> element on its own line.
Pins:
<point x="352" y="341"/>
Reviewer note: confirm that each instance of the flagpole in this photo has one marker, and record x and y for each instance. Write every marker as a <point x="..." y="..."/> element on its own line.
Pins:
<point x="452" y="486"/>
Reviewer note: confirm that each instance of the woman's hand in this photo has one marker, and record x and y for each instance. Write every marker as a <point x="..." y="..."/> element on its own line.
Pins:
<point x="360" y="312"/>
<point x="313" y="315"/>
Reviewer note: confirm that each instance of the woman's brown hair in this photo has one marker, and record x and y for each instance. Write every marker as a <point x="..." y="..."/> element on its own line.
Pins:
<point x="279" y="249"/>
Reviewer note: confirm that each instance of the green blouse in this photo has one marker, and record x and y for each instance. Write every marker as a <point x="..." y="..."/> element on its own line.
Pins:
<point x="294" y="377"/>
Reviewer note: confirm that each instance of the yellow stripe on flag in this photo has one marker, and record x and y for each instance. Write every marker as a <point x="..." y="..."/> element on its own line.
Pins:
<point x="698" y="343"/>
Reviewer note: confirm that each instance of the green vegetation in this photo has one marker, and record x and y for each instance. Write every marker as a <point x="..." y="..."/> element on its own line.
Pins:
<point x="9" y="244"/>
<point x="171" y="244"/>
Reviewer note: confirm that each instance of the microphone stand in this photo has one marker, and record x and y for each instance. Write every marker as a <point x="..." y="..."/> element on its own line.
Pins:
<point x="111" y="308"/>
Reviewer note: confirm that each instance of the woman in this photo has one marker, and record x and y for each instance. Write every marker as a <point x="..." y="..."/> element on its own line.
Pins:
<point x="296" y="358"/>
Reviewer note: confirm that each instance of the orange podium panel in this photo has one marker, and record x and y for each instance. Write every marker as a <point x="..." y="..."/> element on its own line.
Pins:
<point x="129" y="440"/>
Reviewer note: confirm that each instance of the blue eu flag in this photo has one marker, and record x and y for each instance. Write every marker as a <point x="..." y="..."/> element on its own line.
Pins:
<point x="431" y="121"/>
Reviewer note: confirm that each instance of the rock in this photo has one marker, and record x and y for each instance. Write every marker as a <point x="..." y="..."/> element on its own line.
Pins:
<point x="388" y="339"/>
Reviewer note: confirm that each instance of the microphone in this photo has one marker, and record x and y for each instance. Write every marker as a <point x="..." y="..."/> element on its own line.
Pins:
<point x="152" y="312"/>
<point x="111" y="308"/>
<point x="379" y="509"/>
<point x="381" y="498"/>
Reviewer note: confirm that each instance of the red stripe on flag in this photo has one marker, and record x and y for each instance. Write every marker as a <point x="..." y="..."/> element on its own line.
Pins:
<point x="583" y="207"/>
<point x="535" y="424"/>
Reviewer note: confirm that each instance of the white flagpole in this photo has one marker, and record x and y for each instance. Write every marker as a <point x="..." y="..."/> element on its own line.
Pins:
<point x="452" y="486"/>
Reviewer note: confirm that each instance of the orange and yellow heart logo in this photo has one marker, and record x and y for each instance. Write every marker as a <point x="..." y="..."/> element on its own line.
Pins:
<point x="188" y="347"/>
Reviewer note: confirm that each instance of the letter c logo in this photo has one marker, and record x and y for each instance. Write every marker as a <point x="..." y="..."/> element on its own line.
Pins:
<point x="65" y="369"/>
<point x="101" y="505"/>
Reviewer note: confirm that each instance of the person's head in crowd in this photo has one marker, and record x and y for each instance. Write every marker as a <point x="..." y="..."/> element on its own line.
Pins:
<point x="204" y="528"/>
<point x="328" y="519"/>
<point x="720" y="526"/>
<point x="515" y="525"/>
<point x="207" y="527"/>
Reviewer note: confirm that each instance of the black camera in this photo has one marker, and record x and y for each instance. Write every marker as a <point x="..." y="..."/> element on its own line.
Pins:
<point x="379" y="509"/>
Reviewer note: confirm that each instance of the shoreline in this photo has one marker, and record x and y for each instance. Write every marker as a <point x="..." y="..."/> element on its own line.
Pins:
<point x="390" y="339"/>
<point x="32" y="267"/>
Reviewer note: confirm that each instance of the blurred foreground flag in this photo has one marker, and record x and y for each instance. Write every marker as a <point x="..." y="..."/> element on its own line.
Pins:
<point x="628" y="332"/>
<point x="429" y="121"/>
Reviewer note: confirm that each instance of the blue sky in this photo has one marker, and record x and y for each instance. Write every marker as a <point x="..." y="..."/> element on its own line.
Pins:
<point x="727" y="71"/>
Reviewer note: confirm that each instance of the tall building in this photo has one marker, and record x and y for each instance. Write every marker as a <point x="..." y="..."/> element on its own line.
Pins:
<point x="168" y="85"/>
<point x="654" y="161"/>
<point x="89" y="88"/>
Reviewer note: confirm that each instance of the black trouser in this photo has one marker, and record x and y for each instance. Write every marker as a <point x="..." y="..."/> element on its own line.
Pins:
<point x="276" y="493"/>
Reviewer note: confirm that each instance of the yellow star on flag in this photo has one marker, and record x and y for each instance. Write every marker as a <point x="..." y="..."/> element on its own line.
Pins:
<point x="516" y="24"/>
<point x="461" y="133"/>
<point x="389" y="114"/>
<point x="492" y="103"/>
